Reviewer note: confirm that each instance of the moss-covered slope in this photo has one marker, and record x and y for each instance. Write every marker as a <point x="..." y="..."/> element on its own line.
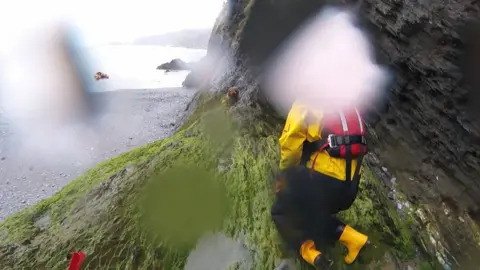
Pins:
<point x="108" y="211"/>
<point x="101" y="212"/>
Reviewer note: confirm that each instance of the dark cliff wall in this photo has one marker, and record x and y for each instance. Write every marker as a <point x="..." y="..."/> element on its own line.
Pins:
<point x="426" y="137"/>
<point x="427" y="127"/>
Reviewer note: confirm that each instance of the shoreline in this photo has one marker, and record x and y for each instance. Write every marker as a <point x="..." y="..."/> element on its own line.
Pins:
<point x="130" y="119"/>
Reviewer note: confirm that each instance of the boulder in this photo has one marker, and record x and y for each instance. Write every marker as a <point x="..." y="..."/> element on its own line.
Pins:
<point x="175" y="64"/>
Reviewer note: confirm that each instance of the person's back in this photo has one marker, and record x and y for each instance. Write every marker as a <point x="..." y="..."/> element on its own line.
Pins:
<point x="321" y="156"/>
<point x="300" y="143"/>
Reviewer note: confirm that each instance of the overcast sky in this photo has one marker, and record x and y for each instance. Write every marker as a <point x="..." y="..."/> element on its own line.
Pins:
<point x="109" y="20"/>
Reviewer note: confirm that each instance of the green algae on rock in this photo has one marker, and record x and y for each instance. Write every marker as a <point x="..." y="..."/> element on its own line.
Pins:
<point x="100" y="212"/>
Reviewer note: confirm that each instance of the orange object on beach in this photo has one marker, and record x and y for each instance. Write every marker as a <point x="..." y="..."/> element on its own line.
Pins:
<point x="100" y="75"/>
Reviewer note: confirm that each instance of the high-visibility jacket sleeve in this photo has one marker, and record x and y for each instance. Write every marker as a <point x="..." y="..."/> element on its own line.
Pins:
<point x="293" y="137"/>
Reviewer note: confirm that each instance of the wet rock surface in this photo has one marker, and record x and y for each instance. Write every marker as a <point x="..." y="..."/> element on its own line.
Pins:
<point x="427" y="131"/>
<point x="131" y="118"/>
<point x="427" y="138"/>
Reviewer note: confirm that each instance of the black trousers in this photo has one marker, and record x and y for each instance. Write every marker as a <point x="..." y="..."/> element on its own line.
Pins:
<point x="306" y="205"/>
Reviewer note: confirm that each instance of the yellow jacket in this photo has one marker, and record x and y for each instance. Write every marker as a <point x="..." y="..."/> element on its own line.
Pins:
<point x="294" y="134"/>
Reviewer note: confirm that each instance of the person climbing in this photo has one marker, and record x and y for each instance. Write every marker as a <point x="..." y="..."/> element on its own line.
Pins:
<point x="321" y="156"/>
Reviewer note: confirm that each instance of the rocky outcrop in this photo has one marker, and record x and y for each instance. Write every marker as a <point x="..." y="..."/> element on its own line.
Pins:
<point x="175" y="64"/>
<point x="191" y="81"/>
<point x="218" y="48"/>
<point x="199" y="74"/>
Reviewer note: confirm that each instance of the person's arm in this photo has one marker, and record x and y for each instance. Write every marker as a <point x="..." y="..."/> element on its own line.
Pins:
<point x="293" y="137"/>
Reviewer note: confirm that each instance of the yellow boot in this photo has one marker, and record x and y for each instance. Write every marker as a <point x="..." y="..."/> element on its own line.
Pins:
<point x="354" y="241"/>
<point x="308" y="252"/>
<point x="311" y="255"/>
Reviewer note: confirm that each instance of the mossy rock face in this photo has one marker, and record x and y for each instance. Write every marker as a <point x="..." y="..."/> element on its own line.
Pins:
<point x="103" y="212"/>
<point x="441" y="189"/>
